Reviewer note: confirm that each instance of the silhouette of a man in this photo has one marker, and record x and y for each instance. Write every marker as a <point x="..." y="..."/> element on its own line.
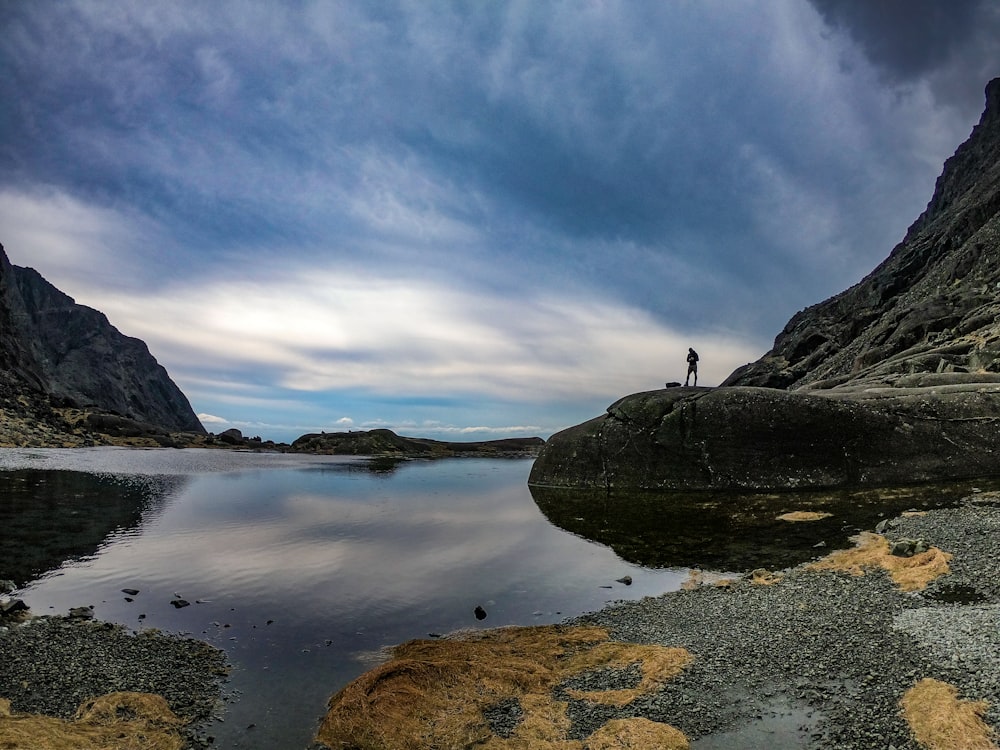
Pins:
<point x="692" y="359"/>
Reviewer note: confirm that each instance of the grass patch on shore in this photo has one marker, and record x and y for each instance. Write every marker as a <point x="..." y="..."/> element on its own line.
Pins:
<point x="800" y="516"/>
<point x="637" y="734"/>
<point x="438" y="693"/>
<point x="873" y="551"/>
<point x="656" y="663"/>
<point x="698" y="578"/>
<point x="939" y="720"/>
<point x="116" y="721"/>
<point x="764" y="577"/>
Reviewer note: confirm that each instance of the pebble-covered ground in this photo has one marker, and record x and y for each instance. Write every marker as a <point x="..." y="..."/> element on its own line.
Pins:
<point x="50" y="665"/>
<point x="821" y="660"/>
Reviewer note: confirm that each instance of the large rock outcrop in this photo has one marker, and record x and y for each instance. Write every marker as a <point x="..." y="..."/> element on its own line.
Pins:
<point x="52" y="349"/>
<point x="764" y="438"/>
<point x="895" y="380"/>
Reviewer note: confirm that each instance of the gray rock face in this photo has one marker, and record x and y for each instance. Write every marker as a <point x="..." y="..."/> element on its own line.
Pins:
<point x="764" y="439"/>
<point x="51" y="345"/>
<point x="894" y="381"/>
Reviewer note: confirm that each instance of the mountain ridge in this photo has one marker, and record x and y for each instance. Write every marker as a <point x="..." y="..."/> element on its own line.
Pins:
<point x="930" y="306"/>
<point x="56" y="353"/>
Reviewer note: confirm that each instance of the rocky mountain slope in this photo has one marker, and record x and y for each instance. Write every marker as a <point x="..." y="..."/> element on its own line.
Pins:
<point x="933" y="306"/>
<point x="895" y="380"/>
<point x="58" y="355"/>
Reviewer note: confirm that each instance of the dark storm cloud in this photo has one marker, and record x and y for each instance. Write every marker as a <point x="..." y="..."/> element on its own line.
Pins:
<point x="906" y="37"/>
<point x="954" y="45"/>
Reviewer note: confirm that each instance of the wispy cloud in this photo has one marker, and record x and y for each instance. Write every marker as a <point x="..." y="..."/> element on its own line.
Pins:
<point x="329" y="331"/>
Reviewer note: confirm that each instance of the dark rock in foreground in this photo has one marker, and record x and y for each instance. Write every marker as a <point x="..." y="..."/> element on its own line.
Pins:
<point x="764" y="439"/>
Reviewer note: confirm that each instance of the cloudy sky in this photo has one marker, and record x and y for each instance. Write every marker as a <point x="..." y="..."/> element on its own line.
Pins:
<point x="469" y="219"/>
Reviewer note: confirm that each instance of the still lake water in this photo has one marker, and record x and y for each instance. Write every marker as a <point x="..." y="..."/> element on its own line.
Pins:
<point x="300" y="567"/>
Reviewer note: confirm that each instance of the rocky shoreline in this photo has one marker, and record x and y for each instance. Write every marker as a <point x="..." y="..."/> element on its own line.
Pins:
<point x="802" y="658"/>
<point x="44" y="427"/>
<point x="824" y="657"/>
<point x="54" y="665"/>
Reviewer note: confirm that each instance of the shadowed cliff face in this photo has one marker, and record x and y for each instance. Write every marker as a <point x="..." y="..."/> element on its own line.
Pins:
<point x="933" y="306"/>
<point x="53" y="347"/>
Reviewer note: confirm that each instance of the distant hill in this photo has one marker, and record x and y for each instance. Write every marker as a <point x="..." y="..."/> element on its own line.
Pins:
<point x="58" y="356"/>
<point x="387" y="443"/>
<point x="932" y="307"/>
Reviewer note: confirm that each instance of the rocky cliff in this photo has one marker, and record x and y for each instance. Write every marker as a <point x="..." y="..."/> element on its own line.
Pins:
<point x="933" y="306"/>
<point x="56" y="353"/>
<point x="895" y="380"/>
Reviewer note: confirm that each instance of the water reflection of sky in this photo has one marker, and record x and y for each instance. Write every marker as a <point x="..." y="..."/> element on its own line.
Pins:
<point x="299" y="568"/>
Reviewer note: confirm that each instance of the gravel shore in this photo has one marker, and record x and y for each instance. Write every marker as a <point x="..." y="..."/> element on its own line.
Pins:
<point x="820" y="660"/>
<point x="50" y="665"/>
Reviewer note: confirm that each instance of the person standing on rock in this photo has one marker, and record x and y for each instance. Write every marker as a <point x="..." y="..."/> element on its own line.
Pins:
<point x="692" y="359"/>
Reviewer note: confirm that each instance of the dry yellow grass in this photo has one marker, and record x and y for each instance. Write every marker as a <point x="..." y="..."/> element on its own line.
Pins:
<point x="117" y="721"/>
<point x="636" y="734"/>
<point x="657" y="664"/>
<point x="763" y="577"/>
<point x="697" y="578"/>
<point x="872" y="551"/>
<point x="432" y="694"/>
<point x="799" y="516"/>
<point x="939" y="720"/>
